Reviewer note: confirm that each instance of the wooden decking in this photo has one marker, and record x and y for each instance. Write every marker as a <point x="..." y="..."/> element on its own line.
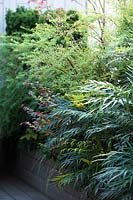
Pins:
<point x="12" y="188"/>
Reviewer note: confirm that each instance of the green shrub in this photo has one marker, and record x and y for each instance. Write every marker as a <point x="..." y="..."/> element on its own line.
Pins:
<point x="12" y="92"/>
<point x="22" y="20"/>
<point x="33" y="57"/>
<point x="72" y="16"/>
<point x="54" y="58"/>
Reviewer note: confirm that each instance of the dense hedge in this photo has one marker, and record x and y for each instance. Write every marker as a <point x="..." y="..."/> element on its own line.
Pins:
<point x="22" y="20"/>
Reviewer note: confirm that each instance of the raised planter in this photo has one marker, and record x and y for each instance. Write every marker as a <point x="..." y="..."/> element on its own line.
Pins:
<point x="36" y="173"/>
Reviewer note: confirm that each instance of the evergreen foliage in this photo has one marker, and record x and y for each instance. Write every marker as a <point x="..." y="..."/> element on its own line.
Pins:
<point x="20" y="21"/>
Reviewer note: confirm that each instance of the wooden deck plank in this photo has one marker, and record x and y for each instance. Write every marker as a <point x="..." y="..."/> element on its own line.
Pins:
<point x="12" y="188"/>
<point x="4" y="195"/>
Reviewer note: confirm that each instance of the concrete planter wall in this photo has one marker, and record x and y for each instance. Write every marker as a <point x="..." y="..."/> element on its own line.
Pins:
<point x="37" y="173"/>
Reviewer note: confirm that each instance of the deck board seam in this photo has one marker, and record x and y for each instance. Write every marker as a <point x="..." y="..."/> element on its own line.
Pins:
<point x="6" y="192"/>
